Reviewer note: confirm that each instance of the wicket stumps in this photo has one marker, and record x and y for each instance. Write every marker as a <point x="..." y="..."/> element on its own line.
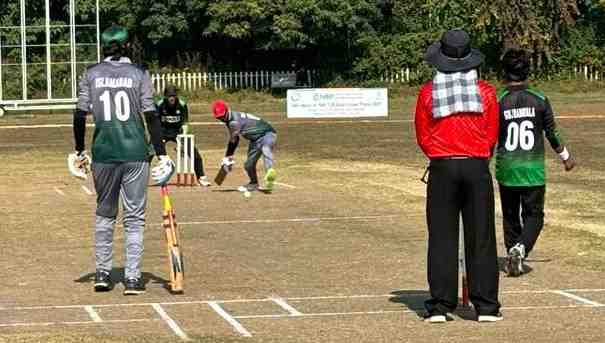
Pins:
<point x="185" y="171"/>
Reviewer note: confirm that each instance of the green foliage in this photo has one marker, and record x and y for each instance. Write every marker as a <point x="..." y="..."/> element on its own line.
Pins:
<point x="358" y="39"/>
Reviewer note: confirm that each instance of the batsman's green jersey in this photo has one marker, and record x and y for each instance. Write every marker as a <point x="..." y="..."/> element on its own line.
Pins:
<point x="525" y="114"/>
<point x="117" y="93"/>
<point x="248" y="126"/>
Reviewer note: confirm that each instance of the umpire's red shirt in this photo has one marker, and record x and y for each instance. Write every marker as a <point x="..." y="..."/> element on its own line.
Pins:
<point x="460" y="134"/>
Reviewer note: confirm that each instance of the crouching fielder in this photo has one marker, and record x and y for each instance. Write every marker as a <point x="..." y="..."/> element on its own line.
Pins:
<point x="117" y="93"/>
<point x="262" y="139"/>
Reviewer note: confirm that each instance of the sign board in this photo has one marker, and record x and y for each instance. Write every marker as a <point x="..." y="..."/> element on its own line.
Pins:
<point x="337" y="103"/>
<point x="283" y="80"/>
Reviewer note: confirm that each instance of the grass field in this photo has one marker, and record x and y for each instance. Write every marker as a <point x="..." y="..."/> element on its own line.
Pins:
<point x="336" y="254"/>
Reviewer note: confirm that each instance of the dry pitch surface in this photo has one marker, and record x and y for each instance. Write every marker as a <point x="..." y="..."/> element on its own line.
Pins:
<point x="335" y="254"/>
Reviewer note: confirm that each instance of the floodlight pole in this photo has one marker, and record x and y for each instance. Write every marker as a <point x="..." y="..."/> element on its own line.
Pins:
<point x="98" y="36"/>
<point x="1" y="97"/>
<point x="72" y="42"/>
<point x="49" y="85"/>
<point x="23" y="51"/>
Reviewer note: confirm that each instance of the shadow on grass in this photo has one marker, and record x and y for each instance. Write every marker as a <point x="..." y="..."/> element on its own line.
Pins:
<point x="117" y="277"/>
<point x="526" y="269"/>
<point x="412" y="299"/>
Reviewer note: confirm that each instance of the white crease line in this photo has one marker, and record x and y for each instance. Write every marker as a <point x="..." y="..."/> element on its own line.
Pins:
<point x="287" y="307"/>
<point x="86" y="190"/>
<point x="289" y="122"/>
<point x="586" y="290"/>
<point x="285" y="185"/>
<point x="93" y="314"/>
<point x="171" y="323"/>
<point x="289" y="220"/>
<point x="76" y="323"/>
<point x="226" y="316"/>
<point x="334" y="314"/>
<point x="60" y="192"/>
<point x="578" y="298"/>
<point x="55" y="307"/>
<point x="324" y="314"/>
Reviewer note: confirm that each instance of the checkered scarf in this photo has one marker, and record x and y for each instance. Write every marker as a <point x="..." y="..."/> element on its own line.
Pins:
<point x="456" y="93"/>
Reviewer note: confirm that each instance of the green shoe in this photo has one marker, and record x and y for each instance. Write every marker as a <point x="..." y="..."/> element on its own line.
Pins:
<point x="270" y="179"/>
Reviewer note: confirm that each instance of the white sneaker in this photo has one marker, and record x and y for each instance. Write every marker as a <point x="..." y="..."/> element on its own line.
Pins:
<point x="516" y="255"/>
<point x="490" y="318"/>
<point x="203" y="181"/>
<point x="250" y="187"/>
<point x="436" y="318"/>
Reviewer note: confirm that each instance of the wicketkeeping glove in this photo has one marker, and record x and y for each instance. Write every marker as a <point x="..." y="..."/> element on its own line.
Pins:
<point x="162" y="173"/>
<point x="78" y="164"/>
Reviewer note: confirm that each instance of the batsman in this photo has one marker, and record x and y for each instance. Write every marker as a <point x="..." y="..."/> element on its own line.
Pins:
<point x="262" y="139"/>
<point x="119" y="94"/>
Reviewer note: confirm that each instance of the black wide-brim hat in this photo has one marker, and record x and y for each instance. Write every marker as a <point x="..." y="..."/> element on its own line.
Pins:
<point x="453" y="53"/>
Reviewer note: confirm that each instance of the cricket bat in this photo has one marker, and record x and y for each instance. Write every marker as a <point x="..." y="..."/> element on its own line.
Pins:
<point x="221" y="175"/>
<point x="463" y="290"/>
<point x="175" y="255"/>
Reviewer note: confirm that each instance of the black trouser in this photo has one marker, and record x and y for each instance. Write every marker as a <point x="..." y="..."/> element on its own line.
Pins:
<point x="523" y="215"/>
<point x="198" y="163"/>
<point x="461" y="186"/>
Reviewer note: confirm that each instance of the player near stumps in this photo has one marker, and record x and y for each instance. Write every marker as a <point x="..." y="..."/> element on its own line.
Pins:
<point x="262" y="137"/>
<point x="174" y="116"/>
<point x="525" y="114"/>
<point x="119" y="94"/>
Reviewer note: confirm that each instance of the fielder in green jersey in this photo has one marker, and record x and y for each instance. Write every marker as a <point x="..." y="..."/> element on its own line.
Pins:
<point x="118" y="93"/>
<point x="525" y="117"/>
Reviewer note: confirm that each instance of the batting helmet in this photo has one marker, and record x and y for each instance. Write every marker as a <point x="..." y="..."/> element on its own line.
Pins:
<point x="219" y="108"/>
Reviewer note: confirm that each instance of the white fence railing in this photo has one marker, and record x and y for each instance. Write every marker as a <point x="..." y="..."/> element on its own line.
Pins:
<point x="224" y="80"/>
<point x="404" y="75"/>
<point x="264" y="79"/>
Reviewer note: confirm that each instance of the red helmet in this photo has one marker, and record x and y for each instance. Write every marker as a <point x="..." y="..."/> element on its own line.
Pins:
<point x="219" y="108"/>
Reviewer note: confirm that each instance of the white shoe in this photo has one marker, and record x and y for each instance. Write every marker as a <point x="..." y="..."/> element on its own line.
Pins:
<point x="490" y="318"/>
<point x="203" y="181"/>
<point x="250" y="187"/>
<point x="436" y="318"/>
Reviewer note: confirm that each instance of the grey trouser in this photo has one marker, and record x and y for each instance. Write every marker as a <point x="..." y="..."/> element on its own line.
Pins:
<point x="262" y="146"/>
<point x="129" y="181"/>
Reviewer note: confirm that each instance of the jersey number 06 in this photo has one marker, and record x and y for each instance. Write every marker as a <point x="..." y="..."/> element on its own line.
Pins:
<point x="520" y="135"/>
<point x="121" y="102"/>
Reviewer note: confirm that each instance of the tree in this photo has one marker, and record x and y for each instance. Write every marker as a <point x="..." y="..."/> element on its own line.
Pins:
<point x="532" y="25"/>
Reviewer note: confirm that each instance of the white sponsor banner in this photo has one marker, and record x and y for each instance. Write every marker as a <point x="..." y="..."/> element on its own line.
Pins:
<point x="337" y="103"/>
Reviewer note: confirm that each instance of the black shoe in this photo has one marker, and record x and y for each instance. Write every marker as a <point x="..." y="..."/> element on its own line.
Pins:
<point x="102" y="281"/>
<point x="134" y="286"/>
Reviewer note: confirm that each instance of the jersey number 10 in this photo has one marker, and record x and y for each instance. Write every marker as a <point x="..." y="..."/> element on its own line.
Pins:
<point x="122" y="105"/>
<point x="520" y="135"/>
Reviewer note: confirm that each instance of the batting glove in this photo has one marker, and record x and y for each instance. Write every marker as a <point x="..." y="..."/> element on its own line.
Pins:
<point x="162" y="173"/>
<point x="78" y="164"/>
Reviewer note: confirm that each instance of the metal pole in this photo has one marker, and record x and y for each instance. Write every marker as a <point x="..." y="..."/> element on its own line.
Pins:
<point x="49" y="84"/>
<point x="98" y="36"/>
<point x="1" y="97"/>
<point x="23" y="52"/>
<point x="72" y="41"/>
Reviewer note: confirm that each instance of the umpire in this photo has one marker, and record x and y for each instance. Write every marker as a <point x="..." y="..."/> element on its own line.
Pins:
<point x="174" y="116"/>
<point x="457" y="129"/>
